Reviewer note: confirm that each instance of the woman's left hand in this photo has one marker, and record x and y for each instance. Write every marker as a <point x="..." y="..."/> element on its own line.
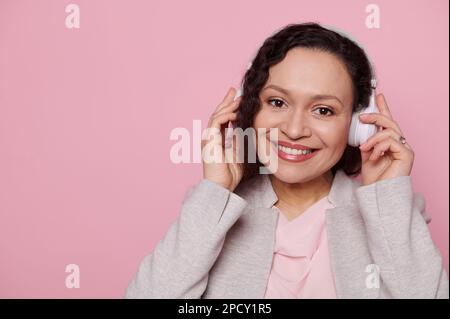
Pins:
<point x="383" y="155"/>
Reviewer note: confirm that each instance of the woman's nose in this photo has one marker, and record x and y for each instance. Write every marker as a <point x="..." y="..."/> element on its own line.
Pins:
<point x="295" y="126"/>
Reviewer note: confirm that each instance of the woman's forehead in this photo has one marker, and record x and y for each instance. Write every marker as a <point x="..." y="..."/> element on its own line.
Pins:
<point x="305" y="71"/>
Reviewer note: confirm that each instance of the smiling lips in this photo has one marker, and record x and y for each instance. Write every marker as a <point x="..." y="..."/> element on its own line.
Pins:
<point x="295" y="152"/>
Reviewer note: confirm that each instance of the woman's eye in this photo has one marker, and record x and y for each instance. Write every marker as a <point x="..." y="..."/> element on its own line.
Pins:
<point x="324" y="111"/>
<point x="278" y="103"/>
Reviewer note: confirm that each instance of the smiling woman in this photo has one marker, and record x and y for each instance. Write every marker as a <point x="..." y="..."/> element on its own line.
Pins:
<point x="308" y="230"/>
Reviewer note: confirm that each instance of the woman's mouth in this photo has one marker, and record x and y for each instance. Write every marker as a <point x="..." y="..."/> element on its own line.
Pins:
<point x="295" y="154"/>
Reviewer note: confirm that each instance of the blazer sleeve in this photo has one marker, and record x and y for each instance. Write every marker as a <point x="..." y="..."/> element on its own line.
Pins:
<point x="180" y="263"/>
<point x="410" y="265"/>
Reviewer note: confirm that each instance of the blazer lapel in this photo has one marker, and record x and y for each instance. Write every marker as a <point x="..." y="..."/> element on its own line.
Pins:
<point x="347" y="241"/>
<point x="242" y="269"/>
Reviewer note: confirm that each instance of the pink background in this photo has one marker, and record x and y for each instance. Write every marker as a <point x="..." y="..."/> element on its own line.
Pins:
<point x="86" y="114"/>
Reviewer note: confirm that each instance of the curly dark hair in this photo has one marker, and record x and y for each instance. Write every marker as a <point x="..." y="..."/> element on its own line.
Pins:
<point x="313" y="36"/>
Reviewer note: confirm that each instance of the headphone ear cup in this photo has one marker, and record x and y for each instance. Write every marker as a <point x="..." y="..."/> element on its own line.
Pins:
<point x="360" y="132"/>
<point x="366" y="131"/>
<point x="353" y="139"/>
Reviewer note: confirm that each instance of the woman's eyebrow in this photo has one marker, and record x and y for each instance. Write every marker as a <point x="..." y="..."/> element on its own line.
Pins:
<point x="314" y="97"/>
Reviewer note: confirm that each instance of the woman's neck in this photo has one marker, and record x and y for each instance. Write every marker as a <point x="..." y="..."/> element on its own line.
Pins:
<point x="294" y="199"/>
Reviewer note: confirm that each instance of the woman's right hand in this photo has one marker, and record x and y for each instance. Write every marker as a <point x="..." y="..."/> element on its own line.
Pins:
<point x="226" y="173"/>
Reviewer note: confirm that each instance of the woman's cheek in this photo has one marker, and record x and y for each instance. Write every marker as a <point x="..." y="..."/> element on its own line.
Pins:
<point x="333" y="135"/>
<point x="260" y="118"/>
<point x="262" y="124"/>
<point x="266" y="119"/>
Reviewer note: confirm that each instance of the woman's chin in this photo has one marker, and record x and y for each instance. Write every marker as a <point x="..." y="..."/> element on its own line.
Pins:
<point x="291" y="175"/>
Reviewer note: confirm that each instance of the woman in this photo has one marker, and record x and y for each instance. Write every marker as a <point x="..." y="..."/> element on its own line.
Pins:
<point x="308" y="230"/>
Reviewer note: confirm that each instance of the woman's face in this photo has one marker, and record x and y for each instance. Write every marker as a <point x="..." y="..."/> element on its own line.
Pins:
<point x="308" y="98"/>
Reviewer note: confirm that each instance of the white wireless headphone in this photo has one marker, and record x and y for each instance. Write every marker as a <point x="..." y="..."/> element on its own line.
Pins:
<point x="360" y="132"/>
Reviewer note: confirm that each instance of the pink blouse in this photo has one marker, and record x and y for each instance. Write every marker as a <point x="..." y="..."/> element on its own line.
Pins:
<point x="301" y="266"/>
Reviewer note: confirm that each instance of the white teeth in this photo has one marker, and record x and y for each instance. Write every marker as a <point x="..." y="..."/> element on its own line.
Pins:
<point x="292" y="151"/>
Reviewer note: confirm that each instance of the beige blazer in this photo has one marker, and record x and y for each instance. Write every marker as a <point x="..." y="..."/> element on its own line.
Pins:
<point x="221" y="245"/>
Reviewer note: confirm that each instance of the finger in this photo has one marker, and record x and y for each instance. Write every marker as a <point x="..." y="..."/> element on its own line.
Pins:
<point x="365" y="155"/>
<point x="228" y="135"/>
<point x="228" y="108"/>
<point x="219" y="115"/>
<point x="388" y="145"/>
<point x="219" y="120"/>
<point x="380" y="120"/>
<point x="382" y="106"/>
<point x="379" y="149"/>
<point x="378" y="137"/>
<point x="239" y="156"/>
<point x="227" y="99"/>
<point x="215" y="128"/>
<point x="232" y="151"/>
